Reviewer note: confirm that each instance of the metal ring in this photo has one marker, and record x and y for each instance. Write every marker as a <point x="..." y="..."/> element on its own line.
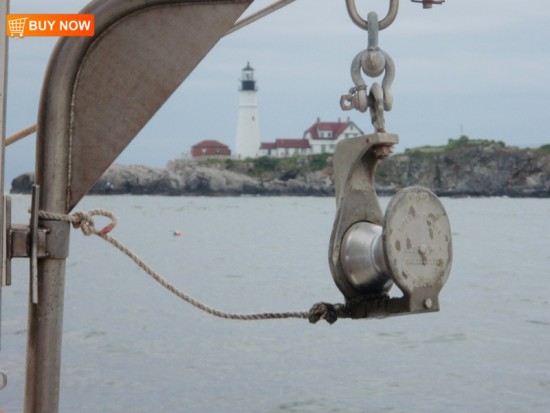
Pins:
<point x="362" y="23"/>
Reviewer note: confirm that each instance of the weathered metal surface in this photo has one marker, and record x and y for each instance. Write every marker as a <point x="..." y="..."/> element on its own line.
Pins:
<point x="101" y="91"/>
<point x="418" y="243"/>
<point x="354" y="162"/>
<point x="18" y="242"/>
<point x="98" y="93"/>
<point x="384" y="23"/>
<point x="410" y="245"/>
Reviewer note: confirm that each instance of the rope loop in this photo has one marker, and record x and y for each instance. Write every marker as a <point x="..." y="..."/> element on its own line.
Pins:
<point x="83" y="220"/>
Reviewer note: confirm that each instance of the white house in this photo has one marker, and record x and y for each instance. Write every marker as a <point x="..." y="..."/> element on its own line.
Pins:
<point x="321" y="137"/>
<point x="283" y="148"/>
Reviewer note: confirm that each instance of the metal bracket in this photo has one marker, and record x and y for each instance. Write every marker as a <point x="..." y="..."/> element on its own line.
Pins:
<point x="31" y="241"/>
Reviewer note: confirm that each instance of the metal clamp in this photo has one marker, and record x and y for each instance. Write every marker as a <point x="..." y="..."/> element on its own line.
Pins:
<point x="409" y="246"/>
<point x="34" y="242"/>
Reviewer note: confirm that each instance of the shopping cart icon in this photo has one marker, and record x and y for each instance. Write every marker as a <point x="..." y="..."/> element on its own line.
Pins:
<point x="17" y="26"/>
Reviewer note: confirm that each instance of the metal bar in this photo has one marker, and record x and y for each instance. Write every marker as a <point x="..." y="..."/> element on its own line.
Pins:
<point x="258" y="15"/>
<point x="4" y="9"/>
<point x="34" y="244"/>
<point x="7" y="225"/>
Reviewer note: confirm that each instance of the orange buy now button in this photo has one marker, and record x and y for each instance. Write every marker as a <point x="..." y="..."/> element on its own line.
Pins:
<point x="22" y="25"/>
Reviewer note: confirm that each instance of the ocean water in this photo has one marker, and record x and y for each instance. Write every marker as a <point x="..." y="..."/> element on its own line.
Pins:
<point x="130" y="346"/>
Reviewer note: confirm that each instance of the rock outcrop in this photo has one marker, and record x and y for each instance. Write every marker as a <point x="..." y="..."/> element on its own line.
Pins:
<point x="478" y="170"/>
<point x="487" y="169"/>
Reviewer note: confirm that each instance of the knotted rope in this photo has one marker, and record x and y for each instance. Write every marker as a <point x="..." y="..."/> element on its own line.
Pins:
<point x="84" y="221"/>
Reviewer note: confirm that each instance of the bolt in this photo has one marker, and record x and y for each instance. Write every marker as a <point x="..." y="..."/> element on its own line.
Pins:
<point x="428" y="303"/>
<point x="382" y="151"/>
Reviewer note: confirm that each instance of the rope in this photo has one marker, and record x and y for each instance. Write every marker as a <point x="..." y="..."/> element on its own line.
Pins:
<point x="20" y="135"/>
<point x="85" y="222"/>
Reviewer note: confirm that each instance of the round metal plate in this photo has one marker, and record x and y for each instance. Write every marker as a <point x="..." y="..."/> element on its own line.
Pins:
<point x="417" y="240"/>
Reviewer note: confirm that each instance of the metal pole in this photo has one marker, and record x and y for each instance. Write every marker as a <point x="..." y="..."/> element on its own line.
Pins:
<point x="4" y="8"/>
<point x="45" y="323"/>
<point x="45" y="320"/>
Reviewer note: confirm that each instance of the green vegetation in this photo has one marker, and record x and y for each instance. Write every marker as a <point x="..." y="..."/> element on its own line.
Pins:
<point x="265" y="164"/>
<point x="543" y="150"/>
<point x="288" y="168"/>
<point x="268" y="167"/>
<point x="428" y="152"/>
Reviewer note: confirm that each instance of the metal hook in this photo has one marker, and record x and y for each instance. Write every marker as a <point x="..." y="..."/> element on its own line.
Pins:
<point x="362" y="23"/>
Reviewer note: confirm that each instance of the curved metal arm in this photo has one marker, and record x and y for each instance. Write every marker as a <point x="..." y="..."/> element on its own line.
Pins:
<point x="362" y="23"/>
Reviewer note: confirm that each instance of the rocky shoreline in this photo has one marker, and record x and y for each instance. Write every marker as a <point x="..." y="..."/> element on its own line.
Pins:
<point x="478" y="169"/>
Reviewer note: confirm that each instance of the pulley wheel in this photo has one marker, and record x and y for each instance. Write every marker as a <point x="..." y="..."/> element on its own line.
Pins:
<point x="417" y="240"/>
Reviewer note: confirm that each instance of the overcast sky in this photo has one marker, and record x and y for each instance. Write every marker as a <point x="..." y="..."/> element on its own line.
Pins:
<point x="480" y="68"/>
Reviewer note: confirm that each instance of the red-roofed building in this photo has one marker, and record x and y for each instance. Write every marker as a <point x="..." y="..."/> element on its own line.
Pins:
<point x="285" y="147"/>
<point x="209" y="148"/>
<point x="323" y="136"/>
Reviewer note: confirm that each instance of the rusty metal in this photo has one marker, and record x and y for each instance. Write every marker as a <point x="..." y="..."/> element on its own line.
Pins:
<point x="427" y="4"/>
<point x="409" y="246"/>
<point x="356" y="201"/>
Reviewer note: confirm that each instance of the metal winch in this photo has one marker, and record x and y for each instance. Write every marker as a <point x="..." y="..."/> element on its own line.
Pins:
<point x="410" y="245"/>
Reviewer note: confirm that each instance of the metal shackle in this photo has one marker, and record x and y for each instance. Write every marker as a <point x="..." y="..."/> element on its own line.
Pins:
<point x="384" y="23"/>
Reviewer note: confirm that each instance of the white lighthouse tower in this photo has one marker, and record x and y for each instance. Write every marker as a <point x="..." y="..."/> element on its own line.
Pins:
<point x="247" y="143"/>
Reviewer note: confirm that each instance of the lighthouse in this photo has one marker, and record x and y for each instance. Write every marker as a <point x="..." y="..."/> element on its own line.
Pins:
<point x="247" y="142"/>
